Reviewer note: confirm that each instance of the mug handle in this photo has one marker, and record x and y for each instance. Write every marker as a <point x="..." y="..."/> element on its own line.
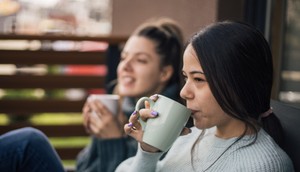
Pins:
<point x="140" y="103"/>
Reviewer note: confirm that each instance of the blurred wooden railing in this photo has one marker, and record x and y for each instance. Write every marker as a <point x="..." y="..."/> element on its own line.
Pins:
<point x="48" y="56"/>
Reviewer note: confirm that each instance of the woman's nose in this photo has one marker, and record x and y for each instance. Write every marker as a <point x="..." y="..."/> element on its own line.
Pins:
<point x="185" y="92"/>
<point x="127" y="64"/>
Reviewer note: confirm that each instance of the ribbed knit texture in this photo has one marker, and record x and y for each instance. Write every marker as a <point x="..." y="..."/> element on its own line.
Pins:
<point x="262" y="156"/>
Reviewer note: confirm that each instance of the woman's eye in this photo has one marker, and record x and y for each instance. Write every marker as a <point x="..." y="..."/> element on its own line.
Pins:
<point x="199" y="79"/>
<point x="142" y="60"/>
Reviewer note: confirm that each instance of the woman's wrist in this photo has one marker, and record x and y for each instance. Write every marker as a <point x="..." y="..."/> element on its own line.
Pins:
<point x="148" y="148"/>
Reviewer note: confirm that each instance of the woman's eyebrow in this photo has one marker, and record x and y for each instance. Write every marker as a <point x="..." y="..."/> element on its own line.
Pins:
<point x="196" y="72"/>
<point x="193" y="72"/>
<point x="143" y="53"/>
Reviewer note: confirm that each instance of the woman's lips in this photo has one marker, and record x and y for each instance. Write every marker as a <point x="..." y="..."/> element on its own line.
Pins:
<point x="127" y="80"/>
<point x="193" y="112"/>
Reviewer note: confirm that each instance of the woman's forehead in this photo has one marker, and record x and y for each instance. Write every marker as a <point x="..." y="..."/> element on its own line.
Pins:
<point x="190" y="53"/>
<point x="139" y="43"/>
<point x="190" y="59"/>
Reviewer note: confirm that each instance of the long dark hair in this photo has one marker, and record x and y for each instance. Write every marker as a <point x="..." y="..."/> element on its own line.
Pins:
<point x="237" y="62"/>
<point x="167" y="35"/>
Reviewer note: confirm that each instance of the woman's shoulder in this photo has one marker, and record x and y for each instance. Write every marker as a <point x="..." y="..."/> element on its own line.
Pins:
<point x="264" y="153"/>
<point x="270" y="146"/>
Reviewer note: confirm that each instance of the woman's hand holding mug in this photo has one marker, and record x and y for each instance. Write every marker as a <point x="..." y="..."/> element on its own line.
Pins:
<point x="158" y="125"/>
<point x="101" y="118"/>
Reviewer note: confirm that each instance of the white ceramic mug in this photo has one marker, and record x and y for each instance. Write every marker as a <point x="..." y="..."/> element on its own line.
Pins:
<point x="111" y="101"/>
<point x="162" y="131"/>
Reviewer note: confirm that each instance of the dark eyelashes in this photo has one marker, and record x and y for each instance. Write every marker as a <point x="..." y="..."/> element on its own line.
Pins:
<point x="197" y="79"/>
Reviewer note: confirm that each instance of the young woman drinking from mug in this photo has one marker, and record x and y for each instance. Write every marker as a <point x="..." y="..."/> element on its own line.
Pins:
<point x="227" y="68"/>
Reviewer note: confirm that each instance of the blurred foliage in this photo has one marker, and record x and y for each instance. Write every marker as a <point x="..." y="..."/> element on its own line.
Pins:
<point x="56" y="119"/>
<point x="32" y="94"/>
<point x="69" y="142"/>
<point x="3" y="119"/>
<point x="23" y="93"/>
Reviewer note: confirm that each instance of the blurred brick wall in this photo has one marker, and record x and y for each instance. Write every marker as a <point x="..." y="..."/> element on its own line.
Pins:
<point x="191" y="14"/>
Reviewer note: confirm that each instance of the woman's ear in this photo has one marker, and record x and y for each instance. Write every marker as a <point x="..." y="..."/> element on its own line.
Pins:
<point x="166" y="73"/>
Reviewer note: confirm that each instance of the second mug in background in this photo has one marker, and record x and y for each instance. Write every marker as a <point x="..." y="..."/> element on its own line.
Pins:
<point x="111" y="101"/>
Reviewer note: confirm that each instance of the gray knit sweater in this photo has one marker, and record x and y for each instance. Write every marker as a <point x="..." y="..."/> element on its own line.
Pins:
<point x="262" y="156"/>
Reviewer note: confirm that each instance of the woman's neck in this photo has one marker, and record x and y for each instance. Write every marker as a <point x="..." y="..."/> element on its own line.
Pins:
<point x="234" y="128"/>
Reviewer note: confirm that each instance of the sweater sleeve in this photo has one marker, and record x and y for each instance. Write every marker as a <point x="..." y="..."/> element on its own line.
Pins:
<point x="143" y="161"/>
<point x="105" y="155"/>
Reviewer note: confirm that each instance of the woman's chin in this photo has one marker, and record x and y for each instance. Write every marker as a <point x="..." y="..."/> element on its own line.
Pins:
<point x="127" y="93"/>
<point x="130" y="92"/>
<point x="200" y="125"/>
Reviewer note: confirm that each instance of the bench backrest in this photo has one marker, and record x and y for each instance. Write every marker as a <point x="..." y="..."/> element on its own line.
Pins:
<point x="289" y="117"/>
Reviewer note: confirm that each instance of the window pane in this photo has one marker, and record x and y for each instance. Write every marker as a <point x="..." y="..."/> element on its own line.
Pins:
<point x="290" y="75"/>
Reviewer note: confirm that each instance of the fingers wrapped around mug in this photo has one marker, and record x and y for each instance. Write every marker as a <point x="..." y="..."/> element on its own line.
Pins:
<point x="154" y="97"/>
<point x="97" y="108"/>
<point x="86" y="112"/>
<point x="145" y="114"/>
<point x="134" y="127"/>
<point x="101" y="108"/>
<point x="97" y="117"/>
